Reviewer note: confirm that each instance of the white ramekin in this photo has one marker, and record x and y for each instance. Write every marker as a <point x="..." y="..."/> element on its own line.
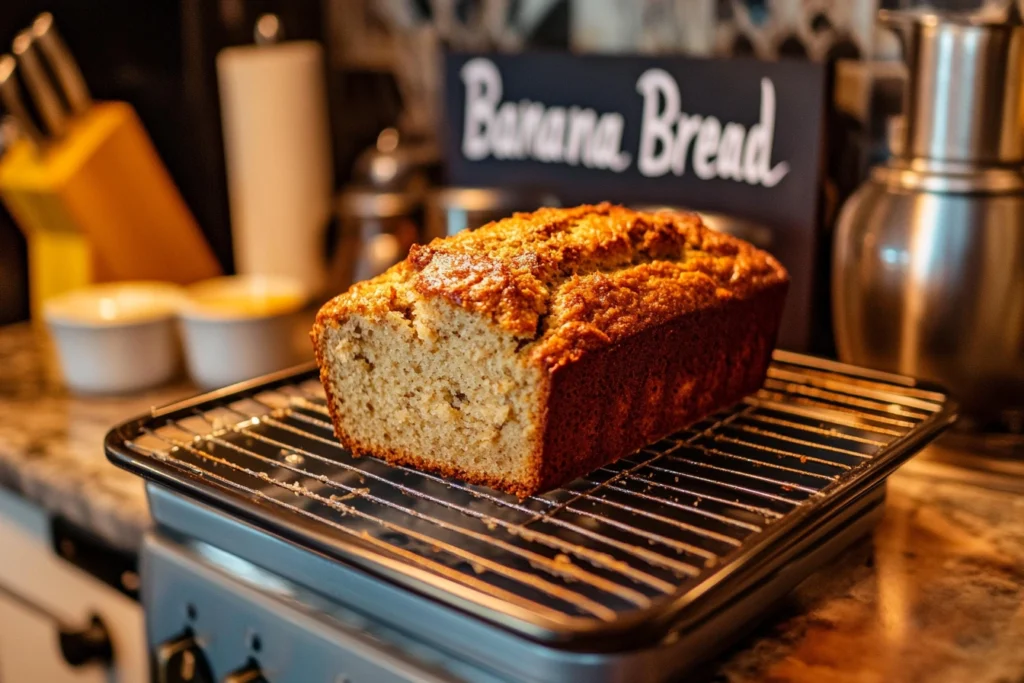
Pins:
<point x="239" y="327"/>
<point x="116" y="338"/>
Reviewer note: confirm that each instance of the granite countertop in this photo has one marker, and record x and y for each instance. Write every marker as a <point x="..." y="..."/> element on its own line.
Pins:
<point x="51" y="443"/>
<point x="937" y="593"/>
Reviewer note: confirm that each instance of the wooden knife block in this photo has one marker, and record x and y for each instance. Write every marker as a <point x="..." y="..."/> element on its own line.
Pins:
<point x="100" y="206"/>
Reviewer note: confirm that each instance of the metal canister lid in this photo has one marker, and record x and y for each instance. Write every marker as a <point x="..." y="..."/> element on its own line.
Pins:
<point x="367" y="202"/>
<point x="965" y="90"/>
<point x="489" y="199"/>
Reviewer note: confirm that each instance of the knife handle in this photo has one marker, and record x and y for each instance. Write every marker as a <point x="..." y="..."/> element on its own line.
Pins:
<point x="62" y="62"/>
<point x="10" y="95"/>
<point x="39" y="86"/>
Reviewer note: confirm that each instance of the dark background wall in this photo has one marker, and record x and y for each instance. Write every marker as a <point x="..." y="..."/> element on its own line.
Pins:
<point x="159" y="55"/>
<point x="127" y="50"/>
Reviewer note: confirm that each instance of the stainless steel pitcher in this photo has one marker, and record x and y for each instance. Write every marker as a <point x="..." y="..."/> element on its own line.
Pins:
<point x="928" y="269"/>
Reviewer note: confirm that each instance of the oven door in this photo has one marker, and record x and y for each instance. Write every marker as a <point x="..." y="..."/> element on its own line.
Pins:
<point x="58" y="622"/>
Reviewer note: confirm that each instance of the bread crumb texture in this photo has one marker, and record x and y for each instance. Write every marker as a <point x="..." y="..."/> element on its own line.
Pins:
<point x="445" y="362"/>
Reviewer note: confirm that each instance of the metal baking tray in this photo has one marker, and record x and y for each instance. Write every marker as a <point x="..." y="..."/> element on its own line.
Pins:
<point x="621" y="557"/>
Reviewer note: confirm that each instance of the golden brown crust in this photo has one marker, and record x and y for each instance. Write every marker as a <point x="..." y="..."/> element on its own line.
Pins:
<point x="632" y="393"/>
<point x="574" y="279"/>
<point x="621" y="308"/>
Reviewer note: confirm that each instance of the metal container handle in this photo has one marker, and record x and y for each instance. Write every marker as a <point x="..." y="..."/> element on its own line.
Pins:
<point x="963" y="101"/>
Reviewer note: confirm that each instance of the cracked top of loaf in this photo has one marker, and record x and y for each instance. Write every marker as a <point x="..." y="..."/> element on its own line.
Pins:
<point x="564" y="281"/>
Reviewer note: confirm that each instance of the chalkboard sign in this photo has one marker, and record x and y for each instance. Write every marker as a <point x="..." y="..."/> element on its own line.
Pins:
<point x="739" y="137"/>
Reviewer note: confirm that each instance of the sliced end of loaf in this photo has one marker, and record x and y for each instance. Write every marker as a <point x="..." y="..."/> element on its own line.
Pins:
<point x="435" y="387"/>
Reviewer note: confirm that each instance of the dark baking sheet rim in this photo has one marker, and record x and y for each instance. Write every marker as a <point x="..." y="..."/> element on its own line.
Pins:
<point x="677" y="613"/>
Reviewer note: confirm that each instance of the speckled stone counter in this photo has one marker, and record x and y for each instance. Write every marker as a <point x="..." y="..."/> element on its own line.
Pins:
<point x="937" y="594"/>
<point x="51" y="443"/>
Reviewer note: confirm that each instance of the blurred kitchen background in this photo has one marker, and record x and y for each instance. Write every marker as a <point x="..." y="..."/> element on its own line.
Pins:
<point x="161" y="58"/>
<point x="303" y="140"/>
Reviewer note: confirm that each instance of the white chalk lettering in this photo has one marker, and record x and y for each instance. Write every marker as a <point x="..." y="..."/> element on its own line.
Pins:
<point x="671" y="141"/>
<point x="581" y="129"/>
<point x="530" y="114"/>
<point x="706" y="147"/>
<point x="730" y="152"/>
<point x="483" y="92"/>
<point x="668" y="136"/>
<point x="605" y="146"/>
<point x="757" y="155"/>
<point x="655" y="156"/>
<point x="532" y="130"/>
<point x="686" y="131"/>
<point x="547" y="145"/>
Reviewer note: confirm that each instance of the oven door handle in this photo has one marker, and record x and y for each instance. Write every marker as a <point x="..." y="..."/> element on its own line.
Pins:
<point x="78" y="646"/>
<point x="90" y="645"/>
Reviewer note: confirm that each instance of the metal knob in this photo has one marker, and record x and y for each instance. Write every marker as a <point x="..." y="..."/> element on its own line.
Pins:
<point x="90" y="645"/>
<point x="247" y="674"/>
<point x="182" y="661"/>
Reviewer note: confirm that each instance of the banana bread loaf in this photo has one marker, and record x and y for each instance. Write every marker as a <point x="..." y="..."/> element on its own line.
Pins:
<point x="537" y="348"/>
